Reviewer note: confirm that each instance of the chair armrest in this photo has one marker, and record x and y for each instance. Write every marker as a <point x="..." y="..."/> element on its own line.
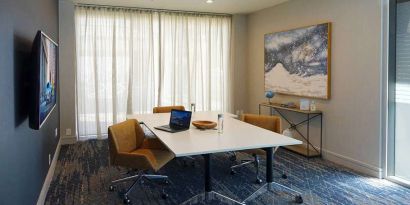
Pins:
<point x="153" y="143"/>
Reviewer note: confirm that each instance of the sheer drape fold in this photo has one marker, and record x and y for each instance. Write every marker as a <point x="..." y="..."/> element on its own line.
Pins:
<point x="129" y="61"/>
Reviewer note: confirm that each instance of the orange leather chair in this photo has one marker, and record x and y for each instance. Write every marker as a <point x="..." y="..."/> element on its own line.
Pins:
<point x="167" y="109"/>
<point x="129" y="148"/>
<point x="272" y="123"/>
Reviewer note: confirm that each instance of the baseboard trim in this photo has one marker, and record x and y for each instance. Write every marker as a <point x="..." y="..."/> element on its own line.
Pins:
<point x="43" y="194"/>
<point x="356" y="165"/>
<point x="68" y="140"/>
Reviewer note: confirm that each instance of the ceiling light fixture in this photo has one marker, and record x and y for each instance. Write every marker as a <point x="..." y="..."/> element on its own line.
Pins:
<point x="209" y="1"/>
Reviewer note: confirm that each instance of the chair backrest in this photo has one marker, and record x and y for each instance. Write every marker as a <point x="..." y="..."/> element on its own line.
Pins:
<point x="272" y="123"/>
<point x="166" y="109"/>
<point x="125" y="137"/>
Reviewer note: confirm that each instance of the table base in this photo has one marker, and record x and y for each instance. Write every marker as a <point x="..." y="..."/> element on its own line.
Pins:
<point x="211" y="197"/>
<point x="268" y="192"/>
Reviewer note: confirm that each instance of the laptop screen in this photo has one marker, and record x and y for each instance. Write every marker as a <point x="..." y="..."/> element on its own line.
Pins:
<point x="180" y="119"/>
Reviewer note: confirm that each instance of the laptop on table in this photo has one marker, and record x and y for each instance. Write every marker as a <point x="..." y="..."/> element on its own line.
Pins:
<point x="179" y="121"/>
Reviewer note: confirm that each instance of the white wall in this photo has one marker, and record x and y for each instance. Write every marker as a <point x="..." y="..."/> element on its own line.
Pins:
<point x="239" y="52"/>
<point x="67" y="71"/>
<point x="352" y="116"/>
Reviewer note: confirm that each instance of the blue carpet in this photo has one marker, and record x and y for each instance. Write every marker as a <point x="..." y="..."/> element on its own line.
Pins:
<point x="82" y="176"/>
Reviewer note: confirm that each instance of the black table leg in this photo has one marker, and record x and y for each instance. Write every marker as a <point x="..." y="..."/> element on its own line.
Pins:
<point x="269" y="164"/>
<point x="208" y="183"/>
<point x="209" y="195"/>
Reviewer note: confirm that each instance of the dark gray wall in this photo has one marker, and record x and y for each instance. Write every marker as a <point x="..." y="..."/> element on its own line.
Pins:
<point x="23" y="151"/>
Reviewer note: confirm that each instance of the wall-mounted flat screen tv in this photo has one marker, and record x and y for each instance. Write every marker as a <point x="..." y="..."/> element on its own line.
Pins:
<point x="44" y="68"/>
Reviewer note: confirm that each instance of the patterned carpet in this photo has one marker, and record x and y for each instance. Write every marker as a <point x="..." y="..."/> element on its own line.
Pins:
<point x="82" y="176"/>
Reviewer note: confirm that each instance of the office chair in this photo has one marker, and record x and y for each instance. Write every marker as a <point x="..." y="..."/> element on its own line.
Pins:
<point x="272" y="123"/>
<point x="167" y="109"/>
<point x="129" y="148"/>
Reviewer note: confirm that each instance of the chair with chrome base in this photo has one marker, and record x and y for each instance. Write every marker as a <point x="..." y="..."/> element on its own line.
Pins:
<point x="167" y="109"/>
<point x="272" y="123"/>
<point x="130" y="149"/>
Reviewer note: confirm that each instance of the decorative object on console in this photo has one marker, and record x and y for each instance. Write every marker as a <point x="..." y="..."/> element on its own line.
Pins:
<point x="288" y="105"/>
<point x="304" y="104"/>
<point x="313" y="106"/>
<point x="297" y="62"/>
<point x="269" y="94"/>
<point x="203" y="124"/>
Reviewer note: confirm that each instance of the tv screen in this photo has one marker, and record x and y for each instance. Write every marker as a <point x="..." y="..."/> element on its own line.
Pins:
<point x="44" y="79"/>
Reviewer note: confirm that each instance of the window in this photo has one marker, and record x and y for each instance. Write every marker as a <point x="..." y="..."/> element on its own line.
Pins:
<point x="129" y="61"/>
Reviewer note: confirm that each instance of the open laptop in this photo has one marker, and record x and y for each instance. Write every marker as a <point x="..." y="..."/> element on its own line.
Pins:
<point x="179" y="121"/>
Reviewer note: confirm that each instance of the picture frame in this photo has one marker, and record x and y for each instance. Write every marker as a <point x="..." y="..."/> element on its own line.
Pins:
<point x="298" y="61"/>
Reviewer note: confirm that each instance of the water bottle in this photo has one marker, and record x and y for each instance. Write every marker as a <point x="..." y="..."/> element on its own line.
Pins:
<point x="193" y="108"/>
<point x="220" y="123"/>
<point x="288" y="133"/>
<point x="313" y="106"/>
<point x="239" y="114"/>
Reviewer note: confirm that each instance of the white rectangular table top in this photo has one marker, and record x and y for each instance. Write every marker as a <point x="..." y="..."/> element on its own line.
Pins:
<point x="237" y="135"/>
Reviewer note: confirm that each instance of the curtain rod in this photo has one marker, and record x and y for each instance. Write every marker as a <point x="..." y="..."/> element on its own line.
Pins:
<point x="152" y="9"/>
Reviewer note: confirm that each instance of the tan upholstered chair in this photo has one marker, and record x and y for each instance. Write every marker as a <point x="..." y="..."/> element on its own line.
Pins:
<point x="272" y="123"/>
<point x="129" y="148"/>
<point x="166" y="109"/>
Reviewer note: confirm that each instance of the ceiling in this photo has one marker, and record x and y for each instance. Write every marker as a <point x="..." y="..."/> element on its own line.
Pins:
<point x="219" y="6"/>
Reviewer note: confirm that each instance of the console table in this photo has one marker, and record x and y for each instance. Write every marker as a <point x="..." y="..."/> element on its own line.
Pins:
<point x="307" y="150"/>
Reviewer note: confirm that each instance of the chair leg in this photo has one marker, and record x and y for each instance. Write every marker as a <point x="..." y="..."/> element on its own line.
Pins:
<point x="244" y="162"/>
<point x="256" y="161"/>
<point x="125" y="179"/>
<point x="156" y="177"/>
<point x="190" y="158"/>
<point x="233" y="156"/>
<point x="133" y="184"/>
<point x="139" y="177"/>
<point x="150" y="178"/>
<point x="126" y="199"/>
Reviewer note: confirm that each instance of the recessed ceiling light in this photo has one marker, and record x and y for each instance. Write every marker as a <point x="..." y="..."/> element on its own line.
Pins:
<point x="209" y="1"/>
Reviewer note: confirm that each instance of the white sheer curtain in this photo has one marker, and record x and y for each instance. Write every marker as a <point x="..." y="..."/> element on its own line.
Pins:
<point x="195" y="60"/>
<point x="129" y="61"/>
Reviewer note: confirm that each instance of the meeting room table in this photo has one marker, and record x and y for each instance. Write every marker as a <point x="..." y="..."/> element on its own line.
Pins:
<point x="236" y="135"/>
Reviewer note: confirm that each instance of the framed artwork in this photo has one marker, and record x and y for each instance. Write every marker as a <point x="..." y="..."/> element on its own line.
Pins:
<point x="297" y="62"/>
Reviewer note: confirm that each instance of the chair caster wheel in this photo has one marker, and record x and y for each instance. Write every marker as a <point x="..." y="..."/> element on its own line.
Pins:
<point x="299" y="199"/>
<point x="126" y="200"/>
<point x="112" y="188"/>
<point x="284" y="176"/>
<point x="258" y="181"/>
<point x="164" y="196"/>
<point x="233" y="172"/>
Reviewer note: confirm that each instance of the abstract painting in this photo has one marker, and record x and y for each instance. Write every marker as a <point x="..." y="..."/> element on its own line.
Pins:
<point x="297" y="62"/>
